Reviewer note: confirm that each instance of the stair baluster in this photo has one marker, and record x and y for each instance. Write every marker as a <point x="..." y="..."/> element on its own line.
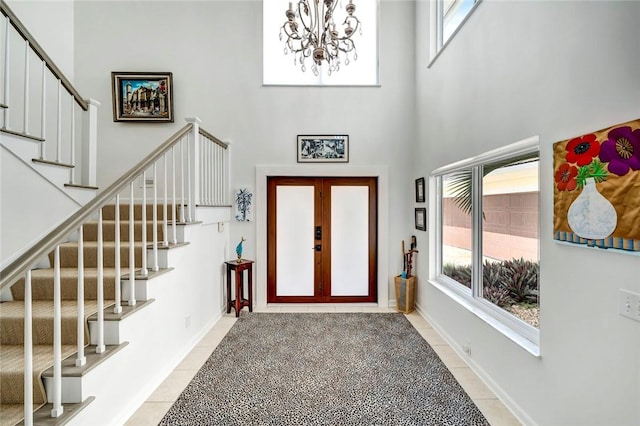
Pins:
<point x="132" y="261"/>
<point x="118" y="306"/>
<point x="154" y="266"/>
<point x="80" y="358"/>
<point x="165" y="217"/>
<point x="28" y="352"/>
<point x="7" y="67"/>
<point x="26" y="88"/>
<point x="43" y="110"/>
<point x="59" y="125"/>
<point x="144" y="271"/>
<point x="174" y="212"/>
<point x="72" y="170"/>
<point x="57" y="409"/>
<point x="182" y="198"/>
<point x="100" y="347"/>
<point x="189" y="197"/>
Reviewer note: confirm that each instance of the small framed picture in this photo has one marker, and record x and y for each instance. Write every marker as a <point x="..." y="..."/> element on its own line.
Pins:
<point x="323" y="148"/>
<point x="142" y="96"/>
<point x="421" y="218"/>
<point x="420" y="190"/>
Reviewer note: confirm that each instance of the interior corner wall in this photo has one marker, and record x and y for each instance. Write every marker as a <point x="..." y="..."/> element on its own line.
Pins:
<point x="50" y="22"/>
<point x="557" y="70"/>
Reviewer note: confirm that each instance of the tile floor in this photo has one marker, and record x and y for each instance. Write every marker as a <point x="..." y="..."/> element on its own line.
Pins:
<point x="154" y="409"/>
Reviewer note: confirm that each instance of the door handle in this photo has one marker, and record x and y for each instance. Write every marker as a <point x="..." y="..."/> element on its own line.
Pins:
<point x="318" y="232"/>
<point x="317" y="247"/>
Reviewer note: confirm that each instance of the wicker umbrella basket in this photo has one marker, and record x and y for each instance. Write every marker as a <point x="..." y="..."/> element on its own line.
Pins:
<point x="405" y="294"/>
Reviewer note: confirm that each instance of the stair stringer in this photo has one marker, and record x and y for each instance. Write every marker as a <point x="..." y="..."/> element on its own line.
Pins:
<point x="188" y="302"/>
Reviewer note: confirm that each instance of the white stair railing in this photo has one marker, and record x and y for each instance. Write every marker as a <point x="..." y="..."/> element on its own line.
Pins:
<point x="17" y="92"/>
<point x="173" y="176"/>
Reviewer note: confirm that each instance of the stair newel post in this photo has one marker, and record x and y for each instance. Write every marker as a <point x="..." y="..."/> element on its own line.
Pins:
<point x="59" y="125"/>
<point x="193" y="163"/>
<point x="132" y="256"/>
<point x="154" y="244"/>
<point x="43" y="110"/>
<point x="80" y="359"/>
<point x="90" y="143"/>
<point x="118" y="307"/>
<point x="26" y="88"/>
<point x="174" y="209"/>
<point x="7" y="67"/>
<point x="144" y="270"/>
<point x="28" y="351"/>
<point x="100" y="348"/>
<point x="165" y="218"/>
<point x="72" y="170"/>
<point x="57" y="409"/>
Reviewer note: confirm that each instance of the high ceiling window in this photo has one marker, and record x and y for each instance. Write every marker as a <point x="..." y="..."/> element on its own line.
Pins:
<point x="280" y="68"/>
<point x="448" y="16"/>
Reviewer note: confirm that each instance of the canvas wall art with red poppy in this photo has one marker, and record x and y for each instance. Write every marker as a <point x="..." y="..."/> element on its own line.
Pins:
<point x="596" y="195"/>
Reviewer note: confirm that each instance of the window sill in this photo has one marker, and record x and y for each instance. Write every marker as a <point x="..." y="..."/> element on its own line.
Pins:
<point x="490" y="316"/>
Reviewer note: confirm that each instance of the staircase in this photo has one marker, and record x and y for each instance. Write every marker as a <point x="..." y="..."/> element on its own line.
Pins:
<point x="42" y="285"/>
<point x="97" y="309"/>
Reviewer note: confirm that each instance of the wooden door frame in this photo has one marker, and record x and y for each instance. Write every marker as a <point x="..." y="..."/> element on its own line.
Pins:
<point x="323" y="190"/>
<point x="384" y="280"/>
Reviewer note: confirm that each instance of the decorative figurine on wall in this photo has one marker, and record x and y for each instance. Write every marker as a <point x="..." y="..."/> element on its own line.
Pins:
<point x="239" y="249"/>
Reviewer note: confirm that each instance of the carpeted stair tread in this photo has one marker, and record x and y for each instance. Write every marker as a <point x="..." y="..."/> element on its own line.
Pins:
<point x="12" y="367"/>
<point x="109" y="211"/>
<point x="12" y="414"/>
<point x="90" y="230"/>
<point x="12" y="321"/>
<point x="42" y="284"/>
<point x="69" y="254"/>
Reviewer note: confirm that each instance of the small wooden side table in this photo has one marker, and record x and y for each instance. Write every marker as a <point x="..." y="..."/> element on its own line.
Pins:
<point x="239" y="302"/>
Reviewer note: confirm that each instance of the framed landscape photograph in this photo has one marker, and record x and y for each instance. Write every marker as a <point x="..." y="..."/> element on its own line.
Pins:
<point x="421" y="218"/>
<point x="323" y="149"/>
<point x="142" y="96"/>
<point x="420" y="190"/>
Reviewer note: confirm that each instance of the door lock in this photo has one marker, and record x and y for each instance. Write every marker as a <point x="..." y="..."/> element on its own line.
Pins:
<point x="318" y="232"/>
<point x="318" y="247"/>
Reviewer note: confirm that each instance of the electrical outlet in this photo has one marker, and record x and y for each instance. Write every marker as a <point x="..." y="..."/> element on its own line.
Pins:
<point x="630" y="304"/>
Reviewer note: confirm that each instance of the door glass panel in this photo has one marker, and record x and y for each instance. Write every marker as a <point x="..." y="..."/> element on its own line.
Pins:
<point x="294" y="229"/>
<point x="349" y="241"/>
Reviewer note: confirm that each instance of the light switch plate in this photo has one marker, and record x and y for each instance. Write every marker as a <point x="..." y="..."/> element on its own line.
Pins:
<point x="630" y="304"/>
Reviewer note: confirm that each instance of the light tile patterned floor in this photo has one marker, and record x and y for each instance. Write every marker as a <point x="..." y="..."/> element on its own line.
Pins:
<point x="154" y="409"/>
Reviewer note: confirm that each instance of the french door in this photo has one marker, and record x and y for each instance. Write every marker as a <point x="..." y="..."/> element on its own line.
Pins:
<point x="322" y="239"/>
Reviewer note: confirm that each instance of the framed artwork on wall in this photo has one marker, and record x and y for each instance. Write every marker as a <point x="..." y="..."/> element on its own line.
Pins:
<point x="142" y="96"/>
<point x="420" y="190"/>
<point x="596" y="193"/>
<point x="323" y="148"/>
<point x="421" y="218"/>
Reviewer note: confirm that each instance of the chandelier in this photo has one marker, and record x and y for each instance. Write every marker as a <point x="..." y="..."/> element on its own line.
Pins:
<point x="316" y="35"/>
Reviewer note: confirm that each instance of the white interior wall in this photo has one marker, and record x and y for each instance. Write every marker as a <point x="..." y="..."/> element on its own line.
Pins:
<point x="558" y="70"/>
<point x="214" y="49"/>
<point x="51" y="24"/>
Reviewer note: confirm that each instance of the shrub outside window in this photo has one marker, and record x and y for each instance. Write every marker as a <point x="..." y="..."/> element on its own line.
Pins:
<point x="488" y="234"/>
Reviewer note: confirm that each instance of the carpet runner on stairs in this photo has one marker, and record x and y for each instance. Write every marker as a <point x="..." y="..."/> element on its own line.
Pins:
<point x="12" y="312"/>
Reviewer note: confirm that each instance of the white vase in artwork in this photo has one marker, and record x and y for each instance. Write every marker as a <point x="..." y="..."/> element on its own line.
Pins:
<point x="591" y="215"/>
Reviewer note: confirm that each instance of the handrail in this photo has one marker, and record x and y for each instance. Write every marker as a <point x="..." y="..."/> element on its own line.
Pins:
<point x="38" y="50"/>
<point x="213" y="138"/>
<point x="14" y="270"/>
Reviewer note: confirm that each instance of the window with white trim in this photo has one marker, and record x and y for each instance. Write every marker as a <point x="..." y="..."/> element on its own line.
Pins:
<point x="448" y="16"/>
<point x="487" y="239"/>
<point x="358" y="68"/>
